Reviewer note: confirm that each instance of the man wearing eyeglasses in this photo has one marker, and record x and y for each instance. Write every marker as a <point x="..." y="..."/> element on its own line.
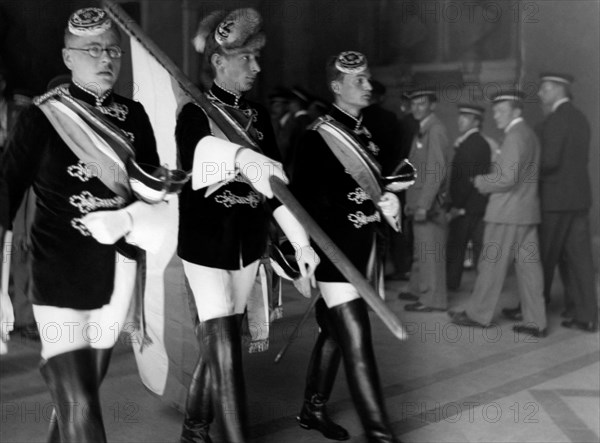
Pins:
<point x="74" y="147"/>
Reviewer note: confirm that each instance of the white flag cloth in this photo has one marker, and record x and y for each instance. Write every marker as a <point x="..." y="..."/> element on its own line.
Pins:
<point x="153" y="88"/>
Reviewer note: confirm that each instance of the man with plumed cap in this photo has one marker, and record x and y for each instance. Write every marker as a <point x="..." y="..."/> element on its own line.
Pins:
<point x="467" y="204"/>
<point x="565" y="195"/>
<point x="76" y="146"/>
<point x="224" y="216"/>
<point x="425" y="204"/>
<point x="511" y="219"/>
<point x="350" y="217"/>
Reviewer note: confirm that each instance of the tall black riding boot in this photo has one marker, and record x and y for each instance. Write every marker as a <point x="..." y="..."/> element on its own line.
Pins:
<point x="73" y="381"/>
<point x="102" y="359"/>
<point x="199" y="412"/>
<point x="221" y="343"/>
<point x="322" y="369"/>
<point x="353" y="334"/>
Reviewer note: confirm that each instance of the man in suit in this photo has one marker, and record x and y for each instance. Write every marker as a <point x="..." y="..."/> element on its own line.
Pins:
<point x="565" y="195"/>
<point x="425" y="205"/>
<point x="566" y="199"/>
<point x="467" y="204"/>
<point x="511" y="216"/>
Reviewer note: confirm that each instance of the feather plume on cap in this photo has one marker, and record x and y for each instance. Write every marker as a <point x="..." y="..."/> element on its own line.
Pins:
<point x="230" y="31"/>
<point x="206" y="26"/>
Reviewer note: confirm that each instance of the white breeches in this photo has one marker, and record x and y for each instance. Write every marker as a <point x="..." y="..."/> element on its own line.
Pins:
<point x="64" y="329"/>
<point x="337" y="293"/>
<point x="219" y="292"/>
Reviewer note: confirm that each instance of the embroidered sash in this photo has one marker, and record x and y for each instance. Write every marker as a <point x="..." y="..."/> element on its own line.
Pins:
<point x="359" y="163"/>
<point x="92" y="139"/>
<point x="363" y="168"/>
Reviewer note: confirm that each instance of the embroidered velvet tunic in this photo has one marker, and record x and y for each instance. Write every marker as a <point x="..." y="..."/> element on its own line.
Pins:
<point x="334" y="199"/>
<point x="70" y="268"/>
<point x="228" y="228"/>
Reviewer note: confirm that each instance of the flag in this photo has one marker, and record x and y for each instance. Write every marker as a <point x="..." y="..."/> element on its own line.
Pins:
<point x="166" y="364"/>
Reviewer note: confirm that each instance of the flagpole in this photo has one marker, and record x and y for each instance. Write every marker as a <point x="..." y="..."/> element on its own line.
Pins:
<point x="134" y="31"/>
<point x="279" y="188"/>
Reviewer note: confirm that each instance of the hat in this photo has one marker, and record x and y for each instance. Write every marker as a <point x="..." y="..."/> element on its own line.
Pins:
<point x="513" y="95"/>
<point x="241" y="28"/>
<point x="279" y="94"/>
<point x="422" y="92"/>
<point x="351" y="62"/>
<point x="300" y="94"/>
<point x="283" y="260"/>
<point x="566" y="79"/>
<point x="465" y="108"/>
<point x="89" y="22"/>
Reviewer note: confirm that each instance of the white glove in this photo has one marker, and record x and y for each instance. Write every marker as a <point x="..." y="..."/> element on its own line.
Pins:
<point x="389" y="204"/>
<point x="7" y="320"/>
<point x="306" y="256"/>
<point x="258" y="169"/>
<point x="308" y="260"/>
<point x="108" y="226"/>
<point x="399" y="186"/>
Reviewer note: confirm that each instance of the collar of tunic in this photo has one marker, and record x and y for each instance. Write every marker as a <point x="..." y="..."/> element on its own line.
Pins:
<point x="226" y="97"/>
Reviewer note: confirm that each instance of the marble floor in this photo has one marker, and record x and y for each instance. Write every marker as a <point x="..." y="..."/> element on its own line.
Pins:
<point x="444" y="384"/>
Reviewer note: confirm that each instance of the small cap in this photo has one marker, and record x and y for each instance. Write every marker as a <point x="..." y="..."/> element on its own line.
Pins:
<point x="513" y="95"/>
<point x="351" y="62"/>
<point x="556" y="77"/>
<point x="89" y="22"/>
<point x="421" y="92"/>
<point x="467" y="108"/>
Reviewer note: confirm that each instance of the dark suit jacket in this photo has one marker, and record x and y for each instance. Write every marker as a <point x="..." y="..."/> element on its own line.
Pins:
<point x="385" y="129"/>
<point x="472" y="158"/>
<point x="564" y="178"/>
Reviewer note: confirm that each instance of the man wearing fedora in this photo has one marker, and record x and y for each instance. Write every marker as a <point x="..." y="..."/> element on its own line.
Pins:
<point x="511" y="219"/>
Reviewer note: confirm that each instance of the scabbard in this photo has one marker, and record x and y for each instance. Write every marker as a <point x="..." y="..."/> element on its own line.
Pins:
<point x="339" y="259"/>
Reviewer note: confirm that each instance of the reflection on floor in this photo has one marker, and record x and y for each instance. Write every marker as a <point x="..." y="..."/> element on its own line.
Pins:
<point x="445" y="384"/>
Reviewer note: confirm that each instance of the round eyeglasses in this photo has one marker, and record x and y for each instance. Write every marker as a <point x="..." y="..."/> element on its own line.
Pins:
<point x="96" y="51"/>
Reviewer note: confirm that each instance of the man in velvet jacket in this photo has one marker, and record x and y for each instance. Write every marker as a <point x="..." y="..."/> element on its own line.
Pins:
<point x="351" y="218"/>
<point x="86" y="218"/>
<point x="224" y="214"/>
